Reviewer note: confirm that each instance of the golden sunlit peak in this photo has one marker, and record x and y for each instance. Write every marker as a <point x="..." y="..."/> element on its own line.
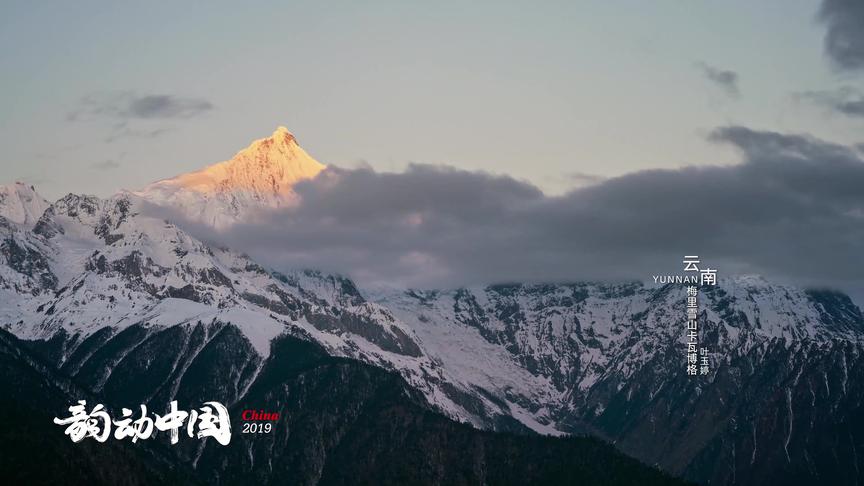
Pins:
<point x="280" y="136"/>
<point x="261" y="175"/>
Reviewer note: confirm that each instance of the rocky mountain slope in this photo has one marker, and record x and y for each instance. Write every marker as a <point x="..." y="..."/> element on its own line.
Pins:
<point x="782" y="402"/>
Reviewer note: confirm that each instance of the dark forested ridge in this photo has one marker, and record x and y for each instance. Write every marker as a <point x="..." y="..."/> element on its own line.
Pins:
<point x="342" y="422"/>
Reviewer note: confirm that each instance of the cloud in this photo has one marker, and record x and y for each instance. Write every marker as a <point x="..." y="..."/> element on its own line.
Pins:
<point x="584" y="178"/>
<point x="792" y="209"/>
<point x="126" y="105"/>
<point x="844" y="39"/>
<point x="106" y="165"/>
<point x="123" y="130"/>
<point x="725" y="79"/>
<point x="167" y="106"/>
<point x="846" y="101"/>
<point x="130" y="115"/>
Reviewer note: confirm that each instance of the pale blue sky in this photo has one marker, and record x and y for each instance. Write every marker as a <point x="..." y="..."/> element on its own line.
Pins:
<point x="538" y="91"/>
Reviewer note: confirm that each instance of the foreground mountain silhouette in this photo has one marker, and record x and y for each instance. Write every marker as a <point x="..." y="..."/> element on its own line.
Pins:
<point x="343" y="422"/>
<point x="261" y="175"/>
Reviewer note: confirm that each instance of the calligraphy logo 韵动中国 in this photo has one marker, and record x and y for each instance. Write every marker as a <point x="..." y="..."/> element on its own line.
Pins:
<point x="209" y="420"/>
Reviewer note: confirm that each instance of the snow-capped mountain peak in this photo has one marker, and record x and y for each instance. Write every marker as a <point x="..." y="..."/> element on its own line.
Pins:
<point x="21" y="204"/>
<point x="260" y="176"/>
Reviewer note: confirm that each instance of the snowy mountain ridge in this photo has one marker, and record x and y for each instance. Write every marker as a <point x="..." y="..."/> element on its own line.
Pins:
<point x="92" y="264"/>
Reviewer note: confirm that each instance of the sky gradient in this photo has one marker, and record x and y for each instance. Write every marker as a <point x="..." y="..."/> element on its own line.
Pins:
<point x="98" y="97"/>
